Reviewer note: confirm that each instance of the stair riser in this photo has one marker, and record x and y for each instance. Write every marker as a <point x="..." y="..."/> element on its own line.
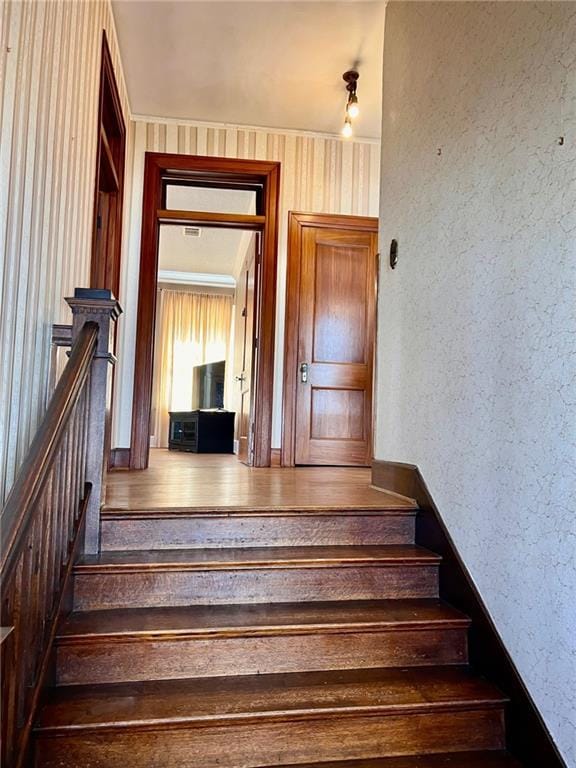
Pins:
<point x="157" y="588"/>
<point x="256" y="531"/>
<point x="277" y="743"/>
<point x="117" y="661"/>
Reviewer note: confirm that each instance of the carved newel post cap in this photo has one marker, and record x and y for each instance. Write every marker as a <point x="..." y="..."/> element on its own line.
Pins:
<point x="89" y="301"/>
<point x="97" y="305"/>
<point x="94" y="293"/>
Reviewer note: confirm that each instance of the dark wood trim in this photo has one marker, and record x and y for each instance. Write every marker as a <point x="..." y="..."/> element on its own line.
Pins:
<point x="527" y="735"/>
<point x="296" y="224"/>
<point x="275" y="456"/>
<point x="160" y="168"/>
<point x="119" y="458"/>
<point x="110" y="118"/>
<point x="227" y="220"/>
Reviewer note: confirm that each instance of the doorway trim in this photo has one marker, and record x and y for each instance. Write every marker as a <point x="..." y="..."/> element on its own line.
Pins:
<point x="110" y="161"/>
<point x="213" y="171"/>
<point x="297" y="222"/>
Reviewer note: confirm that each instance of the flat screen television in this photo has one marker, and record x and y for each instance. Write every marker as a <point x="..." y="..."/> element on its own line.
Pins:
<point x="209" y="385"/>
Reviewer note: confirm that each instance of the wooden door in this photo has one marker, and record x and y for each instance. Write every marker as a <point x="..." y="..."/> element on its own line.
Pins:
<point x="246" y="304"/>
<point x="335" y="345"/>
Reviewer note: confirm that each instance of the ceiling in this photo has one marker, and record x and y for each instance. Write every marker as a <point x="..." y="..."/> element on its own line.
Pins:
<point x="271" y="63"/>
<point x="215" y="251"/>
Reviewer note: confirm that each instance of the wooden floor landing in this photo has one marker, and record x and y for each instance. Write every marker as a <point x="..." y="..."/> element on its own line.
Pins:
<point x="215" y="481"/>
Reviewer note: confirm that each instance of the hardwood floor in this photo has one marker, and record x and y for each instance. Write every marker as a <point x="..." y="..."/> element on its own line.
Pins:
<point x="213" y="481"/>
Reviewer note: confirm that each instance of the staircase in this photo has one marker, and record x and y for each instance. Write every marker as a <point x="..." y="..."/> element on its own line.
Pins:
<point x="243" y="638"/>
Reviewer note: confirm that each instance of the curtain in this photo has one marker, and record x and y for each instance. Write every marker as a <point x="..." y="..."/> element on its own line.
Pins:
<point x="191" y="329"/>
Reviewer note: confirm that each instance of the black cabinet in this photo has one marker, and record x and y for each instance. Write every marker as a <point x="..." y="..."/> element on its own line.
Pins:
<point x="202" y="431"/>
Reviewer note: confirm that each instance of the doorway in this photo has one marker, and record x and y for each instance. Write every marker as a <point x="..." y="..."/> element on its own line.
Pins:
<point x="330" y="340"/>
<point x="193" y="193"/>
<point x="204" y="334"/>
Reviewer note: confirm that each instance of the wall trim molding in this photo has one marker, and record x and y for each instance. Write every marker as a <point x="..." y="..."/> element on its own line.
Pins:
<point x="196" y="278"/>
<point x="527" y="736"/>
<point x="138" y="118"/>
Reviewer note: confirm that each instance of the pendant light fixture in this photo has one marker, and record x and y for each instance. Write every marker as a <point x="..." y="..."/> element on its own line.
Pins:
<point x="352" y="109"/>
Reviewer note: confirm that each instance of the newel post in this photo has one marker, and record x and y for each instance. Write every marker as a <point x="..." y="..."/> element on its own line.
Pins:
<point x="98" y="306"/>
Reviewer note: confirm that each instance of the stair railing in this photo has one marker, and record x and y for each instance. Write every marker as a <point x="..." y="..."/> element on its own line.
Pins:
<point x="51" y="515"/>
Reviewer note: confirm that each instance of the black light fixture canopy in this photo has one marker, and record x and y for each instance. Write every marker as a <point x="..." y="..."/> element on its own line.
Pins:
<point x="351" y="79"/>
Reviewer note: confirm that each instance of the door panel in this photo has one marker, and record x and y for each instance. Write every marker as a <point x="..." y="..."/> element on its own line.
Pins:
<point x="336" y="321"/>
<point x="246" y="302"/>
<point x="338" y="296"/>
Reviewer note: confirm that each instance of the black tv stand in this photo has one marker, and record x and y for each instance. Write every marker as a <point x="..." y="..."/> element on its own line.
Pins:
<point x="202" y="431"/>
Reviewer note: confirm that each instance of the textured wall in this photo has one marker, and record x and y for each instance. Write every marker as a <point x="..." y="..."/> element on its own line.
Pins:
<point x="477" y="327"/>
<point x="49" y="80"/>
<point x="320" y="174"/>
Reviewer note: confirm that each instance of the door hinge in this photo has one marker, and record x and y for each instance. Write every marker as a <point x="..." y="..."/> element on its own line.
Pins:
<point x="256" y="343"/>
<point x="98" y="222"/>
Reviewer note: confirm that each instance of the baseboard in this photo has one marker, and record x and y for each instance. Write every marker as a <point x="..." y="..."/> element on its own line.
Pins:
<point x="119" y="458"/>
<point x="527" y="735"/>
<point x="275" y="457"/>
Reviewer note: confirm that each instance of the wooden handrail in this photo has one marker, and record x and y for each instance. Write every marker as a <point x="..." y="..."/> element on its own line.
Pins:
<point x="52" y="516"/>
<point x="18" y="511"/>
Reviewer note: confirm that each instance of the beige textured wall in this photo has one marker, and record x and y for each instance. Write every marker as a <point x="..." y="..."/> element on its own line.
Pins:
<point x="320" y="173"/>
<point x="49" y="80"/>
<point x="477" y="342"/>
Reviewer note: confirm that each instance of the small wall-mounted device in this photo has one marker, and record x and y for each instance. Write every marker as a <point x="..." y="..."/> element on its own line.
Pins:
<point x="393" y="254"/>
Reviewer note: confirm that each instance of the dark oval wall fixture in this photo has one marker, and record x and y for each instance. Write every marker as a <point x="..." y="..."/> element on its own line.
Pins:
<point x="393" y="254"/>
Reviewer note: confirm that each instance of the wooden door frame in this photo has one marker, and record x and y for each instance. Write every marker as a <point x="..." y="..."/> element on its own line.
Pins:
<point x="109" y="113"/>
<point x="110" y="154"/>
<point x="157" y="166"/>
<point x="297" y="222"/>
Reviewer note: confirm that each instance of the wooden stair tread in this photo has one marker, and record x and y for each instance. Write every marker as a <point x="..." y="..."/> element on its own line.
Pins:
<point x="492" y="759"/>
<point x="260" y="557"/>
<point x="257" y="697"/>
<point x="406" y="507"/>
<point x="248" y="619"/>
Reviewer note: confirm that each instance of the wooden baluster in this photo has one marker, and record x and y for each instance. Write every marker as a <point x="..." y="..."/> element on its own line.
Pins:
<point x="47" y="601"/>
<point x="83" y="411"/>
<point x="63" y="503"/>
<point x="66" y="528"/>
<point x="77" y="457"/>
<point x="21" y="628"/>
<point x="9" y="677"/>
<point x="101" y="307"/>
<point x="34" y="594"/>
<point x="54" y="555"/>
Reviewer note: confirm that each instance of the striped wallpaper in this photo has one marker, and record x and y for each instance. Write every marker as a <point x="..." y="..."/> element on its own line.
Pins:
<point x="49" y="80"/>
<point x="320" y="173"/>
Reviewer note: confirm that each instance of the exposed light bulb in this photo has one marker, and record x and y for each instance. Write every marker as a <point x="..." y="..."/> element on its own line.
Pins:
<point x="353" y="109"/>
<point x="347" y="129"/>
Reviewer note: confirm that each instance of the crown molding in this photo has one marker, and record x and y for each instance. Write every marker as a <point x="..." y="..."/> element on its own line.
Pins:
<point x="156" y="119"/>
<point x="196" y="278"/>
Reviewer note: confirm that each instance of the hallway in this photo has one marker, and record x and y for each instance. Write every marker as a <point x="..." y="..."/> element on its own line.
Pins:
<point x="216" y="481"/>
